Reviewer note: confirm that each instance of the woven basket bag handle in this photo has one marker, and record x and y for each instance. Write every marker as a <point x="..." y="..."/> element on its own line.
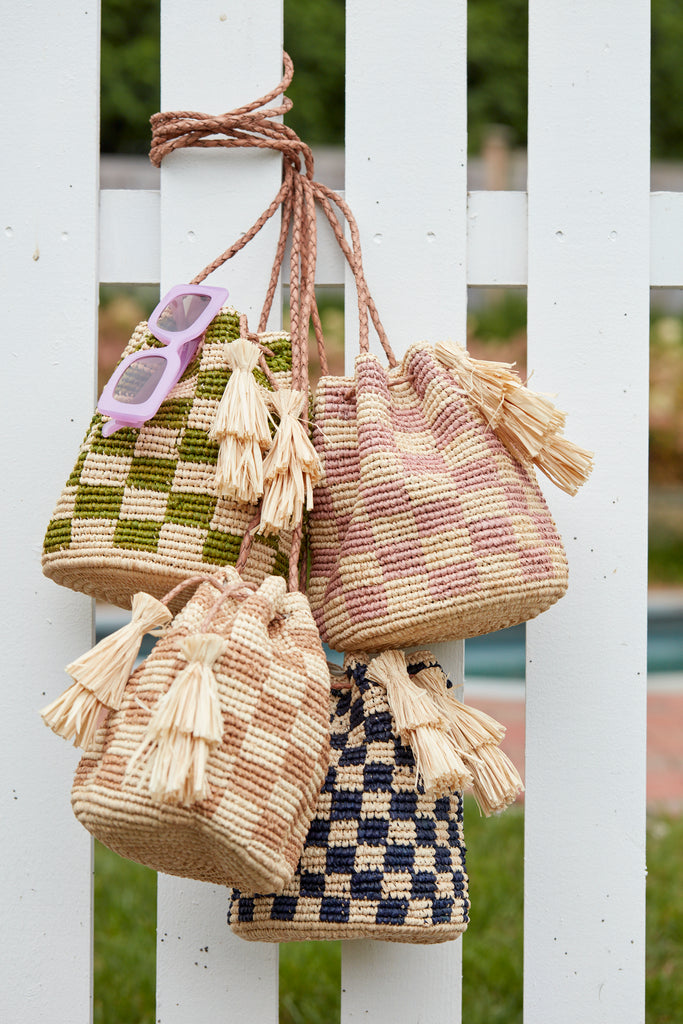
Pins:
<point x="253" y="125"/>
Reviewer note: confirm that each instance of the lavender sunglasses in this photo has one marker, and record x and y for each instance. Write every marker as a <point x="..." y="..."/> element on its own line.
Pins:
<point x="142" y="380"/>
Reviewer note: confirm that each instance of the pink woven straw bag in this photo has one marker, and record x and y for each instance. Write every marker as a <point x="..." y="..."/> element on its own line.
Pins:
<point x="426" y="520"/>
<point x="429" y="523"/>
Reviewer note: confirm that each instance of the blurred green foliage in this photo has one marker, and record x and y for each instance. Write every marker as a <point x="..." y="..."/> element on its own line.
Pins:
<point x="502" y="317"/>
<point x="314" y="39"/>
<point x="496" y="69"/>
<point x="314" y="36"/>
<point x="129" y="74"/>
<point x="667" y="79"/>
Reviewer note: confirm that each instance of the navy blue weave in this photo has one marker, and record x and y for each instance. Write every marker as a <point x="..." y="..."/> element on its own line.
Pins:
<point x="377" y="848"/>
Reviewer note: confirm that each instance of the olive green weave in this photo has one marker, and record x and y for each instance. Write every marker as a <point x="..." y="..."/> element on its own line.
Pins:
<point x="140" y="509"/>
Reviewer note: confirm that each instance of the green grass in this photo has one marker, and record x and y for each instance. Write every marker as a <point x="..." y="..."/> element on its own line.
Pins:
<point x="310" y="982"/>
<point x="125" y="898"/>
<point x="492" y="950"/>
<point x="665" y="921"/>
<point x="125" y="940"/>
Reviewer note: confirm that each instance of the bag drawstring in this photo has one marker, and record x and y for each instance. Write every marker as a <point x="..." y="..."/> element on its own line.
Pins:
<point x="242" y="444"/>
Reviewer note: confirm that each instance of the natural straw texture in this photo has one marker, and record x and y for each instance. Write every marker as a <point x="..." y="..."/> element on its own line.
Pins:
<point x="494" y="780"/>
<point x="381" y="860"/>
<point x="425" y="527"/>
<point x="140" y="511"/>
<point x="263" y="776"/>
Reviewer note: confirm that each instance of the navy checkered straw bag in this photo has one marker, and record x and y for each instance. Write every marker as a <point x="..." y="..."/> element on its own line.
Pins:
<point x="382" y="859"/>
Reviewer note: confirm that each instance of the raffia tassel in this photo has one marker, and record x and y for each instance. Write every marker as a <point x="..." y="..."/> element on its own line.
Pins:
<point x="526" y="422"/>
<point x="410" y="705"/>
<point x="485" y="381"/>
<point x="471" y="726"/>
<point x="242" y="411"/>
<point x="565" y="463"/>
<point x="186" y="726"/>
<point x="438" y="762"/>
<point x="100" y="675"/>
<point x="420" y="723"/>
<point x="291" y="467"/>
<point x="494" y="780"/>
<point x="239" y="471"/>
<point x="242" y="427"/>
<point x="497" y="783"/>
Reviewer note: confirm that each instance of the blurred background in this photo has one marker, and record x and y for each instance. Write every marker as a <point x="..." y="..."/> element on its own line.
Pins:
<point x="497" y="113"/>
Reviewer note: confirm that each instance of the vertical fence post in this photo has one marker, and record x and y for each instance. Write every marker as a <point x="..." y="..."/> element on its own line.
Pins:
<point x="406" y="158"/>
<point x="214" y="58"/>
<point x="588" y="293"/>
<point x="49" y="77"/>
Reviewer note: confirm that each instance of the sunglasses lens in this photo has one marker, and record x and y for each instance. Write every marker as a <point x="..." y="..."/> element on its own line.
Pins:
<point x="182" y="312"/>
<point x="139" y="381"/>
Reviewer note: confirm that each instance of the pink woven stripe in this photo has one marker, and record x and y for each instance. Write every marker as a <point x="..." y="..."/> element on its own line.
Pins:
<point x="386" y="498"/>
<point x="454" y="579"/>
<point x="408" y="420"/>
<point x="358" y="540"/>
<point x="402" y="558"/>
<point x="439" y="515"/>
<point x="366" y="603"/>
<point x="537" y="564"/>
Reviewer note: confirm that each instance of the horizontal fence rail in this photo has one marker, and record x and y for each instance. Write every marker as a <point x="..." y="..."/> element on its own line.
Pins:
<point x="127" y="214"/>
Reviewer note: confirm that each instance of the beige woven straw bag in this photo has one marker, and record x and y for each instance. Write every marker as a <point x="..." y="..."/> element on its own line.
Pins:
<point x="210" y="764"/>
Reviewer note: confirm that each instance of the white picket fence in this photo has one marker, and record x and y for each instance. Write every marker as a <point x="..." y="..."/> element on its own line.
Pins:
<point x="580" y="242"/>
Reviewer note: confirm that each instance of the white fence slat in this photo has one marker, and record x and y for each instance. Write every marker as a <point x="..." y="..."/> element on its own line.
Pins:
<point x="586" y="679"/>
<point x="49" y="80"/>
<point x="406" y="183"/>
<point x="228" y="54"/>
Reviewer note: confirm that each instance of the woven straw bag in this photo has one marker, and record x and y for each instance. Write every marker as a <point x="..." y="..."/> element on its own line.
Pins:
<point x="384" y="858"/>
<point x="211" y="766"/>
<point x="145" y="508"/>
<point x="428" y="526"/>
<point x="141" y="510"/>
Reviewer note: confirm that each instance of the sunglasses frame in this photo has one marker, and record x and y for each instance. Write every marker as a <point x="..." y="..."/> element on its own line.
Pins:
<point x="178" y="353"/>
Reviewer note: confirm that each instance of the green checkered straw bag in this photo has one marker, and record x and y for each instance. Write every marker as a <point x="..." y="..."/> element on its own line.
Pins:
<point x="141" y="511"/>
<point x="147" y="507"/>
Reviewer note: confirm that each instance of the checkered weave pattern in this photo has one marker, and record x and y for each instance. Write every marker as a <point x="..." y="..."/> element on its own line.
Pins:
<point x="381" y="860"/>
<point x="264" y="777"/>
<point x="425" y="527"/>
<point x="140" y="510"/>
